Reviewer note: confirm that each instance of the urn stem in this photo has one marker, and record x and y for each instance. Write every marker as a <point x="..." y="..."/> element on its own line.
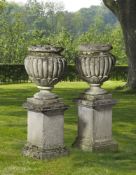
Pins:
<point x="95" y="89"/>
<point x="45" y="88"/>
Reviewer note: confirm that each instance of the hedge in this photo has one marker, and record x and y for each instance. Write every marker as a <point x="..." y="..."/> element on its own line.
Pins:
<point x="12" y="73"/>
<point x="118" y="73"/>
<point x="16" y="73"/>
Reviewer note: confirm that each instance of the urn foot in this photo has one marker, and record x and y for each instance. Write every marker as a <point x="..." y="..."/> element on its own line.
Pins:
<point x="45" y="95"/>
<point x="95" y="89"/>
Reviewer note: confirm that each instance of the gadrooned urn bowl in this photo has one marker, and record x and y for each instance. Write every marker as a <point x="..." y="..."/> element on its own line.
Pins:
<point x="45" y="65"/>
<point x="94" y="64"/>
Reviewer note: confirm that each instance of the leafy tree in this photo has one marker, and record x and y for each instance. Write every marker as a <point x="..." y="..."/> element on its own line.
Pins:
<point x="12" y="41"/>
<point x="98" y="34"/>
<point x="43" y="23"/>
<point x="125" y="10"/>
<point x="2" y="5"/>
<point x="65" y="40"/>
<point x="62" y="39"/>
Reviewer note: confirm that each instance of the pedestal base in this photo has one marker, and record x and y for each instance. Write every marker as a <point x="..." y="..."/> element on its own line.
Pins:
<point x="96" y="147"/>
<point x="95" y="123"/>
<point x="40" y="153"/>
<point x="45" y="131"/>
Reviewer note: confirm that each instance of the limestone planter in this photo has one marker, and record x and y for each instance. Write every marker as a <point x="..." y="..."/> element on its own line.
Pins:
<point x="45" y="133"/>
<point x="45" y="66"/>
<point x="94" y="65"/>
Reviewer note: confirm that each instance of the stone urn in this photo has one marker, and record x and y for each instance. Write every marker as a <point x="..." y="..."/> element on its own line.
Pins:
<point x="45" y="125"/>
<point x="45" y="66"/>
<point x="94" y="65"/>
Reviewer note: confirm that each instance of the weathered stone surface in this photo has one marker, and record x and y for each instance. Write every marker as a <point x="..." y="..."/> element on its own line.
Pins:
<point x="39" y="105"/>
<point x="44" y="65"/>
<point x="45" y="136"/>
<point x="45" y="49"/>
<point x="94" y="48"/>
<point x="40" y="153"/>
<point x="45" y="133"/>
<point x="96" y="101"/>
<point x="94" y="65"/>
<point x="95" y="123"/>
<point x="85" y="96"/>
<point x="46" y="129"/>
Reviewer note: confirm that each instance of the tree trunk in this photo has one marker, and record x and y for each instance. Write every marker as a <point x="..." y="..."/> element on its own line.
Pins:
<point x="125" y="10"/>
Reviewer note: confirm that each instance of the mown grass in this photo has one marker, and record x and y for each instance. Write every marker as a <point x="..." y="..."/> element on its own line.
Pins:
<point x="13" y="131"/>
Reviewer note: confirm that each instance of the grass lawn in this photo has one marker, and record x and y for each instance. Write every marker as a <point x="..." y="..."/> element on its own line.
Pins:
<point x="13" y="135"/>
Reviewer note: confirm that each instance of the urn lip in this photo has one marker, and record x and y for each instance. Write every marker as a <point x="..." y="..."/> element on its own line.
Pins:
<point x="95" y="47"/>
<point x="45" y="49"/>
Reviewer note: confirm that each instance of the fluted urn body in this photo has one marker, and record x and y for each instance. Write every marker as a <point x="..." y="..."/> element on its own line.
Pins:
<point x="45" y="66"/>
<point x="94" y="65"/>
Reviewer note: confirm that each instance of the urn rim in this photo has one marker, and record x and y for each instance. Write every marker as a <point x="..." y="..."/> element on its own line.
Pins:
<point x="95" y="47"/>
<point x="45" y="49"/>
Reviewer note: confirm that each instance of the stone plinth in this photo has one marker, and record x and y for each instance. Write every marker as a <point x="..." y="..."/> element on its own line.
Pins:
<point x="95" y="123"/>
<point x="45" y="135"/>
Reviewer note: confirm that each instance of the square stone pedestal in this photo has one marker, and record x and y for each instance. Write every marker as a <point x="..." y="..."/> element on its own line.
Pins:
<point x="95" y="123"/>
<point x="45" y="133"/>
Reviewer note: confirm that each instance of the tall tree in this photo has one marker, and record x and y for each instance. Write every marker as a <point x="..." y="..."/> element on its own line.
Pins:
<point x="125" y="10"/>
<point x="2" y="5"/>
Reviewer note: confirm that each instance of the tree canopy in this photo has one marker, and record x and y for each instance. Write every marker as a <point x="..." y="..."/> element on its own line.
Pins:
<point x="40" y="23"/>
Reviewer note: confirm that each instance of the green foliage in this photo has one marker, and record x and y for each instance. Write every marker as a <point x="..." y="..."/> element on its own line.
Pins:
<point x="62" y="39"/>
<point x="2" y="5"/>
<point x="117" y="41"/>
<point x="108" y="35"/>
<point x="12" y="41"/>
<point x="48" y="23"/>
<point x="119" y="73"/>
<point x="65" y="40"/>
<point x="12" y="73"/>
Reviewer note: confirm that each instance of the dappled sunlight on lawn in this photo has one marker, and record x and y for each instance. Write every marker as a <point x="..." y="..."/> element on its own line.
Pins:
<point x="13" y="131"/>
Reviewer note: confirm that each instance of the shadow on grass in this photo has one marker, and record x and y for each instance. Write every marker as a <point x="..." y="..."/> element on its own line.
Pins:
<point x="119" y="162"/>
<point x="13" y="119"/>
